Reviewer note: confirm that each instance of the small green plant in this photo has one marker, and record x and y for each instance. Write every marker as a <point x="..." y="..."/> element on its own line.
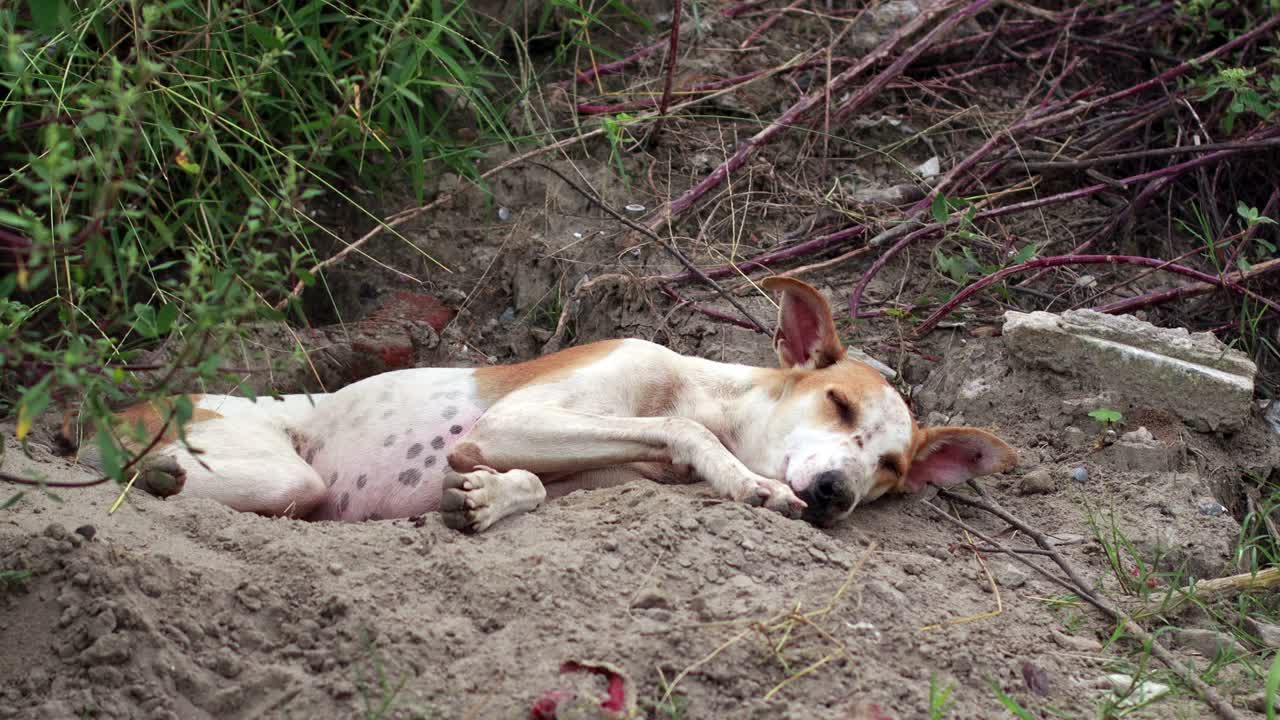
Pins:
<point x="615" y="132"/>
<point x="1010" y="703"/>
<point x="674" y="706"/>
<point x="940" y="701"/>
<point x="377" y="692"/>
<point x="964" y="267"/>
<point x="1253" y="218"/>
<point x="1106" y="418"/>
<point x="162" y="166"/>
<point x="1273" y="687"/>
<point x="14" y="577"/>
<point x="1251" y="93"/>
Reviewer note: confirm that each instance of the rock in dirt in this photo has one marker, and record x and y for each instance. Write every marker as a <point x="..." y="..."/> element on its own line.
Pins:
<point x="1038" y="482"/>
<point x="1210" y="507"/>
<point x="652" y="599"/>
<point x="1132" y="694"/>
<point x="1208" y="385"/>
<point x="1266" y="633"/>
<point x="1209" y="643"/>
<point x="1141" y="452"/>
<point x="1272" y="415"/>
<point x="1257" y="702"/>
<point x="1009" y="575"/>
<point x="1076" y="643"/>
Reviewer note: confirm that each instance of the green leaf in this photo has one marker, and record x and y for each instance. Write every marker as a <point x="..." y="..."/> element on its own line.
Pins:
<point x="12" y="499"/>
<point x="14" y="220"/>
<point x="1026" y="253"/>
<point x="144" y="320"/>
<point x="165" y="318"/>
<point x="95" y="121"/>
<point x="1106" y="416"/>
<point x="264" y="36"/>
<point x="939" y="208"/>
<point x="1273" y="687"/>
<point x="111" y="455"/>
<point x="47" y="14"/>
<point x="183" y="409"/>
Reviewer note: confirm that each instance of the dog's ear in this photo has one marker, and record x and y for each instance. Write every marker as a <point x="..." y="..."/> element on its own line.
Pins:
<point x="806" y="334"/>
<point x="950" y="455"/>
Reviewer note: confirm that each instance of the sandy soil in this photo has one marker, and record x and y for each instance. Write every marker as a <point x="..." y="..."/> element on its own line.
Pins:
<point x="185" y="609"/>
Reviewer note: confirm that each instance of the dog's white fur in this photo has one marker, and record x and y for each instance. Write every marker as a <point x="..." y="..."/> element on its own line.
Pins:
<point x="815" y="437"/>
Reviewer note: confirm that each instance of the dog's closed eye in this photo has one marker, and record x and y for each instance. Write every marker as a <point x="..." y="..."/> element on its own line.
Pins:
<point x="844" y="408"/>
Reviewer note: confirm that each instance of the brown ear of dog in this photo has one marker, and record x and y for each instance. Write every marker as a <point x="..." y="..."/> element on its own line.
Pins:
<point x="806" y="334"/>
<point x="950" y="455"/>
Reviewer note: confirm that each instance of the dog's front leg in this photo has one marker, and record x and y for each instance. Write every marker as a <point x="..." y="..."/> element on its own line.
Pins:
<point x="552" y="440"/>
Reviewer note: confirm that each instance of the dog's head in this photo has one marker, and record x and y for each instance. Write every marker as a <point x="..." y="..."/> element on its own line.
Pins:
<point x="839" y="434"/>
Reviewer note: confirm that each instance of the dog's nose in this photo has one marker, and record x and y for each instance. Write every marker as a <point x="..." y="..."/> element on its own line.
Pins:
<point x="824" y="487"/>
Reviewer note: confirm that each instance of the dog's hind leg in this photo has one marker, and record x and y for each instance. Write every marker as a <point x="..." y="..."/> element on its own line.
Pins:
<point x="475" y="500"/>
<point x="247" y="461"/>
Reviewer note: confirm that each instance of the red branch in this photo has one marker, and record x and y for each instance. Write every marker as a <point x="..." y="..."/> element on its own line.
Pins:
<point x="812" y="100"/>
<point x="930" y="322"/>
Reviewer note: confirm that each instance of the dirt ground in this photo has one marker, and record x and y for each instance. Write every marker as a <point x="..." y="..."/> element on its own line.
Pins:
<point x="708" y="609"/>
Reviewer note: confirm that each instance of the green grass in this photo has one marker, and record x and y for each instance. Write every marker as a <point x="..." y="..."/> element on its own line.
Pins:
<point x="940" y="701"/>
<point x="377" y="691"/>
<point x="161" y="167"/>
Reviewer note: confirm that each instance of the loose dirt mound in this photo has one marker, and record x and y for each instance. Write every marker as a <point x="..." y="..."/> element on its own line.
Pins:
<point x="186" y="609"/>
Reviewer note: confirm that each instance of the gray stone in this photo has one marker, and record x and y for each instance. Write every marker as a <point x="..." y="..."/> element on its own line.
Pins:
<point x="1208" y="642"/>
<point x="1266" y="633"/>
<point x="652" y="599"/>
<point x="1076" y="643"/>
<point x="1008" y="575"/>
<point x="1080" y="474"/>
<point x="1257" y="702"/>
<point x="1208" y="385"/>
<point x="1140" y="451"/>
<point x="1038" y="482"/>
<point x="1210" y="507"/>
<point x="1272" y="415"/>
<point x="1074" y="437"/>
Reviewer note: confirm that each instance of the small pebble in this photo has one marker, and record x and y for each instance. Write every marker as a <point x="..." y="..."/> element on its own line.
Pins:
<point x="504" y="214"/>
<point x="1210" y="507"/>
<point x="1038" y="481"/>
<point x="652" y="599"/>
<point x="55" y="531"/>
<point x="335" y="569"/>
<point x="1079" y="474"/>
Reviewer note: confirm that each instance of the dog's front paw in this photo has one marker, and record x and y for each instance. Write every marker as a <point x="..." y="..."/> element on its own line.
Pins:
<point x="779" y="497"/>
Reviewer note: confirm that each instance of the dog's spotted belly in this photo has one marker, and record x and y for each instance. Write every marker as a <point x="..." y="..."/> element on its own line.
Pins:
<point x="382" y="445"/>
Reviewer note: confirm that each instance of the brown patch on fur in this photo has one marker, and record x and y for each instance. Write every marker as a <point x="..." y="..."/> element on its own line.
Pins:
<point x="856" y="382"/>
<point x="494" y="383"/>
<point x="466" y="457"/>
<point x="151" y="416"/>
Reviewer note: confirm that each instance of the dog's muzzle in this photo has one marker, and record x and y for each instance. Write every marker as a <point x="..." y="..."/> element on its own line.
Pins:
<point x="828" y="497"/>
